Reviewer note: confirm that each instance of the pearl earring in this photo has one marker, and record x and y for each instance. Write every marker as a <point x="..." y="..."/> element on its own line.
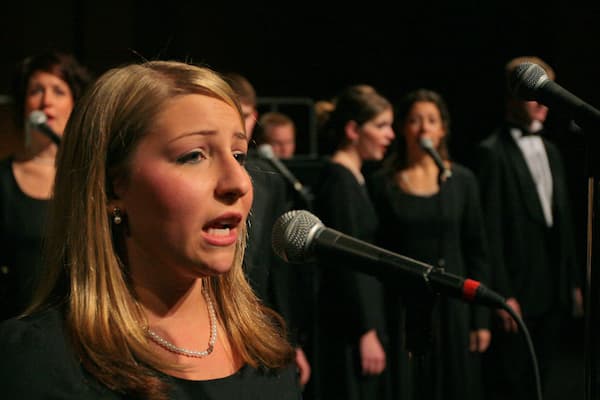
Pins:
<point x="116" y="215"/>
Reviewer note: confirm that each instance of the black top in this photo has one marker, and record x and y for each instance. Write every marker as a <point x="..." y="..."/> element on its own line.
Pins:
<point x="270" y="201"/>
<point x="447" y="226"/>
<point x="273" y="280"/>
<point x="248" y="383"/>
<point x="350" y="302"/>
<point x="354" y="298"/>
<point x="37" y="362"/>
<point x="21" y="231"/>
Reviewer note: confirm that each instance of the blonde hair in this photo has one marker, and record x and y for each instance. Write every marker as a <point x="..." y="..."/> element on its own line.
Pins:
<point x="86" y="271"/>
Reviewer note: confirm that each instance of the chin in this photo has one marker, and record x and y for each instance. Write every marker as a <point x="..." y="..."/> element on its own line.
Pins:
<point x="222" y="270"/>
<point x="378" y="156"/>
<point x="219" y="266"/>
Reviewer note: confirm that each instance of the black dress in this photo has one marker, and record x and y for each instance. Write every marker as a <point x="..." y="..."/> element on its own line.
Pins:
<point x="21" y="231"/>
<point x="445" y="229"/>
<point x="37" y="362"/>
<point x="350" y="302"/>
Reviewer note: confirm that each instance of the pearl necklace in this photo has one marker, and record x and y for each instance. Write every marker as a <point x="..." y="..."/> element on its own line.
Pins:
<point x="156" y="338"/>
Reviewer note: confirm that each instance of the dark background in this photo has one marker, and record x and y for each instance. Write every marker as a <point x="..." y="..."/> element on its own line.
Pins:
<point x="312" y="49"/>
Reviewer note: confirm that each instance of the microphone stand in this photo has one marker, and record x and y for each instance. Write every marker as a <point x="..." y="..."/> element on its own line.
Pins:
<point x="311" y="324"/>
<point x="419" y="342"/>
<point x="592" y="271"/>
<point x="592" y="290"/>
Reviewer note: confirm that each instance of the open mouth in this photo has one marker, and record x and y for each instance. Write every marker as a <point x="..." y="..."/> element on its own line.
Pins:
<point x="222" y="230"/>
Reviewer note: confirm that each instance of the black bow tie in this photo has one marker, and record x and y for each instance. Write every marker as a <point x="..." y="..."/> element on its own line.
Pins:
<point x="525" y="132"/>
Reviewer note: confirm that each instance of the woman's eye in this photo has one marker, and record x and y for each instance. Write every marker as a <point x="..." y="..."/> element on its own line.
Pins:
<point x="192" y="157"/>
<point x="34" y="91"/>
<point x="241" y="158"/>
<point x="60" y="92"/>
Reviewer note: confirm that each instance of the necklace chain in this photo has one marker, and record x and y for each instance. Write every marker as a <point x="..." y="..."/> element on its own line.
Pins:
<point x="156" y="338"/>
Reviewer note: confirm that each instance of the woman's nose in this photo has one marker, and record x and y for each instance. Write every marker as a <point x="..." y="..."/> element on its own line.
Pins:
<point x="234" y="181"/>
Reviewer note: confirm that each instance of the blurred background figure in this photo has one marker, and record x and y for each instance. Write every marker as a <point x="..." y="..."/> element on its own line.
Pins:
<point x="436" y="220"/>
<point x="529" y="225"/>
<point x="352" y="332"/>
<point x="278" y="130"/>
<point x="275" y="282"/>
<point x="247" y="97"/>
<point x="49" y="82"/>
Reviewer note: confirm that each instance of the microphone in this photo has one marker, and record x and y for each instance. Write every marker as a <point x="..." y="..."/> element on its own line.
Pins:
<point x="427" y="145"/>
<point x="528" y="81"/>
<point x="265" y="150"/>
<point x="37" y="120"/>
<point x="299" y="237"/>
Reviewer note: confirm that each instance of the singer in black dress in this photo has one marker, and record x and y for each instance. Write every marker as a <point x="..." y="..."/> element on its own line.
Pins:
<point x="21" y="227"/>
<point x="49" y="82"/>
<point x="439" y="222"/>
<point x="352" y="333"/>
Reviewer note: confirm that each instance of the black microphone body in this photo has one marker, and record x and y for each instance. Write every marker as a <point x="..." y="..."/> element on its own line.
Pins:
<point x="46" y="130"/>
<point x="37" y="120"/>
<point x="300" y="237"/>
<point x="530" y="82"/>
<point x="427" y="146"/>
<point x="266" y="152"/>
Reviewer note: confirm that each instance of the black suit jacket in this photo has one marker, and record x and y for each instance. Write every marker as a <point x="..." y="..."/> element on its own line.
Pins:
<point x="274" y="281"/>
<point x="531" y="262"/>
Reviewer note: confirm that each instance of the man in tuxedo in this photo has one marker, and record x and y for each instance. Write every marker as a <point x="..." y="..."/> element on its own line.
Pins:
<point x="530" y="231"/>
<point x="274" y="281"/>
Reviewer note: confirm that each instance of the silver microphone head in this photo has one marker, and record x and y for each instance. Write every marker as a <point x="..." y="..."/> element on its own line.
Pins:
<point x="292" y="235"/>
<point x="37" y="117"/>
<point x="526" y="79"/>
<point x="425" y="143"/>
<point x="265" y="150"/>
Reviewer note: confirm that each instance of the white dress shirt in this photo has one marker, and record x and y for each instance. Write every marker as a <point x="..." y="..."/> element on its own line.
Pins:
<point x="534" y="151"/>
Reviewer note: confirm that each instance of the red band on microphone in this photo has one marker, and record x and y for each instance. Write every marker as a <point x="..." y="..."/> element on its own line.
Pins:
<point x="470" y="289"/>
